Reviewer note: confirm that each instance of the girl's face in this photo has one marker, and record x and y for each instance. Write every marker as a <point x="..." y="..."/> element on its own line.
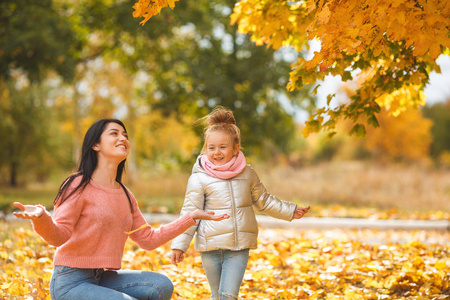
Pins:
<point x="113" y="143"/>
<point x="219" y="148"/>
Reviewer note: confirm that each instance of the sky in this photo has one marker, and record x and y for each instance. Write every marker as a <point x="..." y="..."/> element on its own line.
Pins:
<point x="438" y="90"/>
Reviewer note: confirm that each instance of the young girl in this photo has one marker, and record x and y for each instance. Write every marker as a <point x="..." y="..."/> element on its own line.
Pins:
<point x="223" y="183"/>
<point x="94" y="215"/>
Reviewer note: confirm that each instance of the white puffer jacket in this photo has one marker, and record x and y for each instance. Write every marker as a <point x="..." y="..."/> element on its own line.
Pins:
<point x="236" y="197"/>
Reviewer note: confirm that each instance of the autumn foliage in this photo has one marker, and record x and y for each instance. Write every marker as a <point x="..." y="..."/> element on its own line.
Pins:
<point x="395" y="43"/>
<point x="295" y="264"/>
<point x="150" y="8"/>
<point x="405" y="137"/>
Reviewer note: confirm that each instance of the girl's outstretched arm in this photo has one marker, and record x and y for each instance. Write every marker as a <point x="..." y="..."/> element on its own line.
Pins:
<point x="269" y="204"/>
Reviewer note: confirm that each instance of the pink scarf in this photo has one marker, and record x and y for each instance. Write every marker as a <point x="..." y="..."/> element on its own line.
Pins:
<point x="226" y="171"/>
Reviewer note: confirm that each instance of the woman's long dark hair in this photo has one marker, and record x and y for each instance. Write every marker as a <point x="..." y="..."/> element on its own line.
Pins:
<point x="88" y="162"/>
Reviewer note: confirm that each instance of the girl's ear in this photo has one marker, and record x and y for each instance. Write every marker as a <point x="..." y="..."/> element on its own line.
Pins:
<point x="236" y="149"/>
<point x="96" y="147"/>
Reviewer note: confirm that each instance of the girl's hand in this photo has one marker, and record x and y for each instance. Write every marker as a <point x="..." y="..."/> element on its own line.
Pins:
<point x="204" y="215"/>
<point x="28" y="211"/>
<point x="300" y="212"/>
<point x="176" y="256"/>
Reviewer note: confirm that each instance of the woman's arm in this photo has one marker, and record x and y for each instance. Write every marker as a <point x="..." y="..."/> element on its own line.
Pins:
<point x="150" y="238"/>
<point x="57" y="230"/>
<point x="194" y="199"/>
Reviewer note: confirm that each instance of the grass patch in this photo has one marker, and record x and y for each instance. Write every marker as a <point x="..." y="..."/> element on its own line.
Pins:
<point x="34" y="194"/>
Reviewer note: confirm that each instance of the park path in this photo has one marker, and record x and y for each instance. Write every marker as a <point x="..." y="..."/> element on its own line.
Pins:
<point x="330" y="223"/>
<point x="371" y="231"/>
<point x="376" y="231"/>
<point x="317" y="223"/>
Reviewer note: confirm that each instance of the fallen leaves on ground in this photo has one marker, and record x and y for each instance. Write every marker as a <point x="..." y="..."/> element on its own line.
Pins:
<point x="340" y="211"/>
<point x="288" y="264"/>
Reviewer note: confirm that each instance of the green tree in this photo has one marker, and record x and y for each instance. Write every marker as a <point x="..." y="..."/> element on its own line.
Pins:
<point x="439" y="113"/>
<point x="36" y="37"/>
<point x="29" y="134"/>
<point x="202" y="61"/>
<point x="185" y="63"/>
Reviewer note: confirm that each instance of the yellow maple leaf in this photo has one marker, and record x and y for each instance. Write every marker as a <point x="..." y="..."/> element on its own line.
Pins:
<point x="324" y="15"/>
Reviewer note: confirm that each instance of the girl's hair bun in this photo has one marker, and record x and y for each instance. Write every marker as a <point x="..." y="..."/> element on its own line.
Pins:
<point x="220" y="116"/>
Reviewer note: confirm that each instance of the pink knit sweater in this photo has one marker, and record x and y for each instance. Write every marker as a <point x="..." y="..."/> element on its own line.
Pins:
<point x="90" y="228"/>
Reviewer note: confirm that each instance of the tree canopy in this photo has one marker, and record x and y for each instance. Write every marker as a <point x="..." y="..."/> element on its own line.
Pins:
<point x="35" y="37"/>
<point x="392" y="44"/>
<point x="165" y="75"/>
<point x="202" y="62"/>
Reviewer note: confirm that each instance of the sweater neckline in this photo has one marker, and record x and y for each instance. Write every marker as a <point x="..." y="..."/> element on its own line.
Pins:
<point x="101" y="187"/>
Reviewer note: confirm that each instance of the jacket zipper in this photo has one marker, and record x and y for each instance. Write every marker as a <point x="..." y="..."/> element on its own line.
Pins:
<point x="233" y="205"/>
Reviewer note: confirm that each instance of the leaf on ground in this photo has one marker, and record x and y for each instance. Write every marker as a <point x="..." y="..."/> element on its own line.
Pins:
<point x="288" y="264"/>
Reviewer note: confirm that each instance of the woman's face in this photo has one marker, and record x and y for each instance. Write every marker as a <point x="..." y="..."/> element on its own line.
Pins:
<point x="219" y="148"/>
<point x="113" y="143"/>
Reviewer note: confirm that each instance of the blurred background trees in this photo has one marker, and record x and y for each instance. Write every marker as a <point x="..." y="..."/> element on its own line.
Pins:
<point x="439" y="114"/>
<point x="64" y="64"/>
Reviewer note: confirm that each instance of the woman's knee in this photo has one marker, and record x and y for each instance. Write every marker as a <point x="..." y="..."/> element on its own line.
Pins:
<point x="168" y="286"/>
<point x="165" y="285"/>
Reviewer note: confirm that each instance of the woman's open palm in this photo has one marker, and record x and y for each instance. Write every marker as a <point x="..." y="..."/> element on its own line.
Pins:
<point x="207" y="215"/>
<point x="28" y="211"/>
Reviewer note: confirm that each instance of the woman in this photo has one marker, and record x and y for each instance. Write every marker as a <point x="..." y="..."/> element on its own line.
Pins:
<point x="94" y="215"/>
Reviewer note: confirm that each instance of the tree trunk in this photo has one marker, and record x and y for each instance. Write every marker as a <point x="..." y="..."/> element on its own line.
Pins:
<point x="13" y="173"/>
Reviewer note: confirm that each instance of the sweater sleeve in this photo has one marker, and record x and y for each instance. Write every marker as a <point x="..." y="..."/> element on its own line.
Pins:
<point x="57" y="230"/>
<point x="269" y="204"/>
<point x="149" y="238"/>
<point x="194" y="199"/>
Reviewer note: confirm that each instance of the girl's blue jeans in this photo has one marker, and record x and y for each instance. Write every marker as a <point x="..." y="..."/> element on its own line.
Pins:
<point x="225" y="270"/>
<point x="99" y="284"/>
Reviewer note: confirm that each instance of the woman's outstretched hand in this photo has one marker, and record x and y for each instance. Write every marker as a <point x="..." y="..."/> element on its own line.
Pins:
<point x="300" y="212"/>
<point x="207" y="215"/>
<point x="28" y="211"/>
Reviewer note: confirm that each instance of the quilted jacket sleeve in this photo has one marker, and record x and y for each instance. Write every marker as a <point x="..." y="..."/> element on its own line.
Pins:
<point x="269" y="204"/>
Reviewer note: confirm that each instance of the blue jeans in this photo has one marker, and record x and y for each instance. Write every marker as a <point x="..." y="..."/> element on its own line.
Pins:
<point x="70" y="283"/>
<point x="225" y="270"/>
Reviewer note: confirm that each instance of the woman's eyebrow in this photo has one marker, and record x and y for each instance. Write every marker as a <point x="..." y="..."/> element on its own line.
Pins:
<point x="115" y="129"/>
